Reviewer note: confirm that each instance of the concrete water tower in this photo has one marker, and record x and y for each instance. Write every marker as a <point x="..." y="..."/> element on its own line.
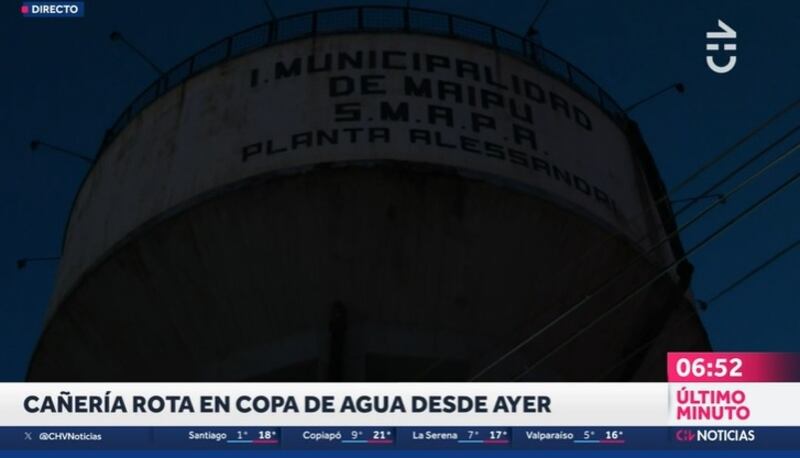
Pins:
<point x="364" y="193"/>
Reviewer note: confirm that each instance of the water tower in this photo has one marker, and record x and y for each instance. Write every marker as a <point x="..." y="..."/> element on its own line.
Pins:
<point x="365" y="194"/>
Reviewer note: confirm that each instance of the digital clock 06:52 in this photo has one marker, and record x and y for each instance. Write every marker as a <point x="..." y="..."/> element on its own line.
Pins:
<point x="716" y="367"/>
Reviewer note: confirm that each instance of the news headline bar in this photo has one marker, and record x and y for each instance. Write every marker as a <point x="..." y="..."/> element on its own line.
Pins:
<point x="399" y="404"/>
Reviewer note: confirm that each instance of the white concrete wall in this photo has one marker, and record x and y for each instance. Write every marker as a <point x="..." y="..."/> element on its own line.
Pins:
<point x="191" y="140"/>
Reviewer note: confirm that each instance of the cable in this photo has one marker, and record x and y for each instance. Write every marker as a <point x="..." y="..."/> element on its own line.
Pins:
<point x="710" y="163"/>
<point x="733" y="285"/>
<point x="713" y="161"/>
<point x="725" y="197"/>
<point x="747" y="276"/>
<point x="620" y="272"/>
<point x="666" y="270"/>
<point x="735" y="146"/>
<point x="721" y="200"/>
<point x="738" y="169"/>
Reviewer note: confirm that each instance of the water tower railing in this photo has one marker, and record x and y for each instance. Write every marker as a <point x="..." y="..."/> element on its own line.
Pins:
<point x="354" y="19"/>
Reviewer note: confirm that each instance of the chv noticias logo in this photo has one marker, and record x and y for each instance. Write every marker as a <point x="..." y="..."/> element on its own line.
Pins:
<point x="52" y="9"/>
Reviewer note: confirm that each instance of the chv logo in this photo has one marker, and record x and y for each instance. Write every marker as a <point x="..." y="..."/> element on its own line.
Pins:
<point x="727" y="33"/>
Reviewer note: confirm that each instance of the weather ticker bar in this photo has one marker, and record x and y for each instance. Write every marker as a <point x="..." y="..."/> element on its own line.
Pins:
<point x="401" y="438"/>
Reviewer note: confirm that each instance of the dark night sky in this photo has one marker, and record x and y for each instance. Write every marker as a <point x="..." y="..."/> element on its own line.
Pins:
<point x="65" y="82"/>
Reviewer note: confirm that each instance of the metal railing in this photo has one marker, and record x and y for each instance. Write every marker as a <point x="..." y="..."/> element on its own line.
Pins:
<point x="366" y="19"/>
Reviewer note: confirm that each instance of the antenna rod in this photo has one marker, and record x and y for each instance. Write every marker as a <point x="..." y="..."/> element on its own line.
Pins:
<point x="701" y="197"/>
<point x="23" y="262"/>
<point x="269" y="10"/>
<point x="35" y="144"/>
<point x="117" y="36"/>
<point x="679" y="87"/>
<point x="532" y="28"/>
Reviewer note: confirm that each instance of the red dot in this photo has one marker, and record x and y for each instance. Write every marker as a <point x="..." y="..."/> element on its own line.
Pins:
<point x="24" y="9"/>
